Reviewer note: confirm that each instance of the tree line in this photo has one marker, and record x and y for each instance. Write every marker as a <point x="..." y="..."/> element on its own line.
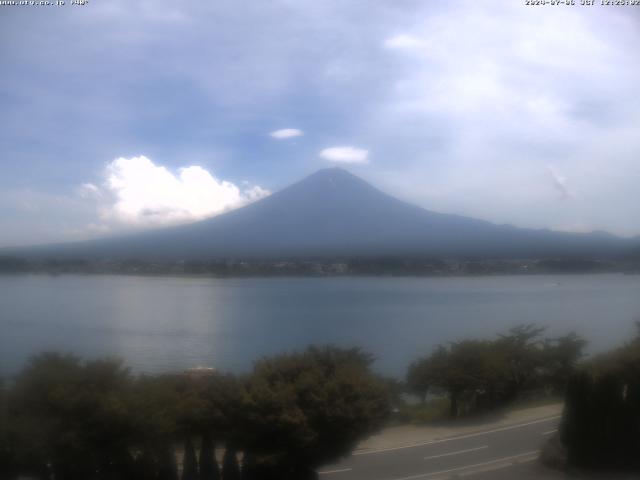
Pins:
<point x="65" y="418"/>
<point x="69" y="419"/>
<point x="480" y="375"/>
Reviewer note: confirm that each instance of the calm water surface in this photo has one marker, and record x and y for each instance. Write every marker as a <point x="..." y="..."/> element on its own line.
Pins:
<point x="165" y="323"/>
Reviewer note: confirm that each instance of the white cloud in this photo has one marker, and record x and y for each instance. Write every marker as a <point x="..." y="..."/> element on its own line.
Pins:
<point x="256" y="193"/>
<point x="403" y="41"/>
<point x="286" y="133"/>
<point x="345" y="154"/>
<point x="141" y="193"/>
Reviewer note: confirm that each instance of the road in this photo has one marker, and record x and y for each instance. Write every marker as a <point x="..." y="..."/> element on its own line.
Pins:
<point x="497" y="453"/>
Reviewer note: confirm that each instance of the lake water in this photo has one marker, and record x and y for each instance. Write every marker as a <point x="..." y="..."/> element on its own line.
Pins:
<point x="167" y="323"/>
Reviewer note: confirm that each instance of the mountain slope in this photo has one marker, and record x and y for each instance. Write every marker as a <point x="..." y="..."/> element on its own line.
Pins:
<point x="334" y="213"/>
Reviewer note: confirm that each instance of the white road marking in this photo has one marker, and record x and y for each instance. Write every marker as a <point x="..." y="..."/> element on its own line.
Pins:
<point x="457" y="453"/>
<point x="459" y="437"/>
<point x="390" y="449"/>
<point x="496" y="466"/>
<point x="328" y="472"/>
<point x="549" y="432"/>
<point x="467" y="467"/>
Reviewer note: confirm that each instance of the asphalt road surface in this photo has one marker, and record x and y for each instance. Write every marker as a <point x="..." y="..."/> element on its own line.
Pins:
<point x="499" y="453"/>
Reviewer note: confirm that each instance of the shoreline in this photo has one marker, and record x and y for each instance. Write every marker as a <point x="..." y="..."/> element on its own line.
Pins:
<point x="305" y="276"/>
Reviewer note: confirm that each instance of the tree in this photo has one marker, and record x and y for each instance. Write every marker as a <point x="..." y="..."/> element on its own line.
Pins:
<point x="483" y="374"/>
<point x="471" y="372"/>
<point x="73" y="416"/>
<point x="601" y="422"/>
<point x="190" y="462"/>
<point x="7" y="449"/>
<point x="309" y="408"/>
<point x="157" y="408"/>
<point x="467" y="374"/>
<point x="223" y="406"/>
<point x="560" y="357"/>
<point x="167" y="468"/>
<point x="230" y="468"/>
<point x="420" y="378"/>
<point x="576" y="423"/>
<point x="521" y="347"/>
<point x="208" y="464"/>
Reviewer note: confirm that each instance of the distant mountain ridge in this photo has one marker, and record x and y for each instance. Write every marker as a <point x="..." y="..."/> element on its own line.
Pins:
<point x="333" y="213"/>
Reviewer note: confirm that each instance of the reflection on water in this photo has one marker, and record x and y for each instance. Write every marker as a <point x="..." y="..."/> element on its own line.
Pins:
<point x="165" y="323"/>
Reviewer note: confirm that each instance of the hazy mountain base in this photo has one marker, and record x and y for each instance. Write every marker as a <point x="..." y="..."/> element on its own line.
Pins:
<point x="393" y="266"/>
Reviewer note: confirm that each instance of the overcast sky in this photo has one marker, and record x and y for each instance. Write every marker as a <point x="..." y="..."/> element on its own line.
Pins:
<point x="127" y="115"/>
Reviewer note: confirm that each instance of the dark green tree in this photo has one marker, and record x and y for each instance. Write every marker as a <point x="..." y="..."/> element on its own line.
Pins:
<point x="309" y="408"/>
<point x="559" y="360"/>
<point x="156" y="409"/>
<point x="230" y="467"/>
<point x="73" y="416"/>
<point x="420" y="378"/>
<point x="471" y="373"/>
<point x="249" y="468"/>
<point x="521" y="347"/>
<point x="167" y="467"/>
<point x="145" y="466"/>
<point x="8" y="454"/>
<point x="209" y="469"/>
<point x="480" y="375"/>
<point x="189" y="462"/>
<point x="601" y="422"/>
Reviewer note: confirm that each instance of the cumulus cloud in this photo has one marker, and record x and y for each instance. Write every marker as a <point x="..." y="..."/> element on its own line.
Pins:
<point x="256" y="193"/>
<point x="345" y="154"/>
<point x="142" y="193"/>
<point x="285" y="133"/>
